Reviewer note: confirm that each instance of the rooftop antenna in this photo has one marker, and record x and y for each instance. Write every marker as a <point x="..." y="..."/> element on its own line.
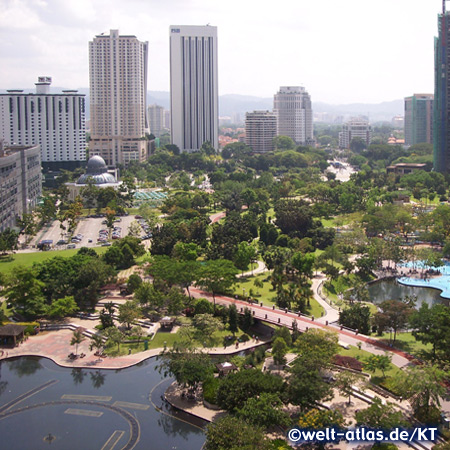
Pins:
<point x="443" y="7"/>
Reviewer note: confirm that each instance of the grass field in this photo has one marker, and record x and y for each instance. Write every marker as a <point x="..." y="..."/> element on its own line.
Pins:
<point x="266" y="295"/>
<point x="163" y="338"/>
<point x="377" y="376"/>
<point x="9" y="262"/>
<point x="406" y="342"/>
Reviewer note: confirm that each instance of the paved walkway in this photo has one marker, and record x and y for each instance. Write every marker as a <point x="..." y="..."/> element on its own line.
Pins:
<point x="331" y="314"/>
<point x="55" y="345"/>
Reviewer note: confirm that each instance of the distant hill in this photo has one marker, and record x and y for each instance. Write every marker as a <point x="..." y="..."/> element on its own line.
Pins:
<point x="240" y="104"/>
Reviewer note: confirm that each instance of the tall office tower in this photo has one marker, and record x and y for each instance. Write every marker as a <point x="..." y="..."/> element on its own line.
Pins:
<point x="194" y="87"/>
<point x="292" y="106"/>
<point x="260" y="129"/>
<point x="156" y="119"/>
<point x="118" y="91"/>
<point x="355" y="128"/>
<point x="20" y="182"/>
<point x="441" y="129"/>
<point x="54" y="121"/>
<point x="419" y="119"/>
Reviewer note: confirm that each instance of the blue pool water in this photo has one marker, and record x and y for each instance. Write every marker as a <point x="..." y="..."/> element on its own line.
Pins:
<point x="442" y="282"/>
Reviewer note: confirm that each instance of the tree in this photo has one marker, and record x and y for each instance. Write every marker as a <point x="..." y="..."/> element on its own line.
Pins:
<point x="378" y="362"/>
<point x="236" y="388"/>
<point x="134" y="229"/>
<point x="264" y="411"/>
<point x="24" y="291"/>
<point x="128" y="313"/>
<point x="320" y="418"/>
<point x="293" y="217"/>
<point x="77" y="339"/>
<point x="246" y="320"/>
<point x="279" y="350"/>
<point x="230" y="433"/>
<point x="432" y="326"/>
<point x="358" y="144"/>
<point x="306" y="385"/>
<point x="147" y="294"/>
<point x="283" y="143"/>
<point x="316" y="348"/>
<point x="27" y="225"/>
<point x="379" y="415"/>
<point x="345" y="381"/>
<point x="96" y="342"/>
<point x="114" y="336"/>
<point x="8" y="240"/>
<point x="394" y="315"/>
<point x="206" y="325"/>
<point x="189" y="366"/>
<point x="138" y="332"/>
<point x="423" y="386"/>
<point x="62" y="307"/>
<point x="217" y="276"/>
<point x="245" y="254"/>
<point x="285" y="334"/>
<point x="134" y="282"/>
<point x="233" y="318"/>
<point x="356" y="317"/>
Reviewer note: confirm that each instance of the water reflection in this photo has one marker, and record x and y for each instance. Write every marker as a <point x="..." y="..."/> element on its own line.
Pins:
<point x="42" y="400"/>
<point x="391" y="290"/>
<point x="25" y="366"/>
<point x="98" y="378"/>
<point x="78" y="375"/>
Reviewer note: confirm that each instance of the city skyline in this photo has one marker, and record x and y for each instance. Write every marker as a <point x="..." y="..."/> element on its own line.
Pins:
<point x="353" y="51"/>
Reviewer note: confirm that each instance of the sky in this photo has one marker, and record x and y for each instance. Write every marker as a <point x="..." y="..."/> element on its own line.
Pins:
<point x="348" y="51"/>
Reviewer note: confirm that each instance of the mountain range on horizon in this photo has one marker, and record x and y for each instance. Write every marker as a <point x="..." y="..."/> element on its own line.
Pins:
<point x="237" y="104"/>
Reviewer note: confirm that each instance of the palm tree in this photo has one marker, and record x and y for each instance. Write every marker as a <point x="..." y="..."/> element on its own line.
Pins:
<point x="77" y="338"/>
<point x="96" y="342"/>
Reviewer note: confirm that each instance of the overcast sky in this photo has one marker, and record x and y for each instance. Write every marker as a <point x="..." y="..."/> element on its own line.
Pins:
<point x="341" y="51"/>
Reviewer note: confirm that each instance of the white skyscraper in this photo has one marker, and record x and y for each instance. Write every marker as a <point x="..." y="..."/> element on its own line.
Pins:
<point x="292" y="106"/>
<point x="54" y="121"/>
<point x="194" y="86"/>
<point x="118" y="92"/>
<point x="156" y="119"/>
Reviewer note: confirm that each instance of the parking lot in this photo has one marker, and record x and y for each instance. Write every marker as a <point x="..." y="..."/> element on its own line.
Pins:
<point x="88" y="228"/>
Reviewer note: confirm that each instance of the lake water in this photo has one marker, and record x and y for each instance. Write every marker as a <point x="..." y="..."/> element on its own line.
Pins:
<point x="42" y="405"/>
<point x="391" y="290"/>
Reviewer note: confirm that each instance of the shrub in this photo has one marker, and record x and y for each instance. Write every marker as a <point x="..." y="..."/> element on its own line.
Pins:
<point x="347" y="362"/>
<point x="210" y="387"/>
<point x="244" y="338"/>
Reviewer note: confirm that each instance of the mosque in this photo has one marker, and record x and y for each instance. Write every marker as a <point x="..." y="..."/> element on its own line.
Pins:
<point x="96" y="172"/>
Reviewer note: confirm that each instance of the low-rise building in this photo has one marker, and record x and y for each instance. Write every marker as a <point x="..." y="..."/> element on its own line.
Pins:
<point x="405" y="168"/>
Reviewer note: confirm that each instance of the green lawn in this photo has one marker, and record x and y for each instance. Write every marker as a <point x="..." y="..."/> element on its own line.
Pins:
<point x="9" y="262"/>
<point x="407" y="342"/>
<point x="377" y="377"/>
<point x="167" y="339"/>
<point x="266" y="295"/>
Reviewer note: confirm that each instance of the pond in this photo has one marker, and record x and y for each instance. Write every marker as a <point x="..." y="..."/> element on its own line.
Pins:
<point x="391" y="290"/>
<point x="42" y="404"/>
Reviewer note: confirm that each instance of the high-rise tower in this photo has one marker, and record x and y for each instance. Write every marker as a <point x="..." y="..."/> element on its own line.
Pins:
<point x="419" y="119"/>
<point x="55" y="121"/>
<point x="292" y="106"/>
<point x="118" y="91"/>
<point x="194" y="86"/>
<point x="441" y="129"/>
